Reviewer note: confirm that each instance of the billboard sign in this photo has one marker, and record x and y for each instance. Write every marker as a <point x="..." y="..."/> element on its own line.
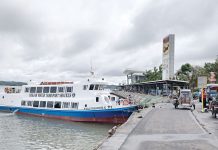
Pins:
<point x="168" y="57"/>
<point x="212" y="78"/>
<point x="166" y="45"/>
<point x="202" y="82"/>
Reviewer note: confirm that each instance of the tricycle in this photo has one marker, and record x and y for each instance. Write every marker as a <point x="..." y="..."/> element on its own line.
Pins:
<point x="214" y="106"/>
<point x="185" y="99"/>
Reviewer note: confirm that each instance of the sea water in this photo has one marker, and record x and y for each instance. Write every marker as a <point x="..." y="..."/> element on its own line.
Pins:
<point x="23" y="132"/>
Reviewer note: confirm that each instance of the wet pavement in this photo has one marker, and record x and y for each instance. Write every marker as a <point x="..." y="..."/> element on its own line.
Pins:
<point x="164" y="127"/>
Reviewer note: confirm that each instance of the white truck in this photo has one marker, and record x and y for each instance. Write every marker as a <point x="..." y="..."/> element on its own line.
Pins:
<point x="184" y="99"/>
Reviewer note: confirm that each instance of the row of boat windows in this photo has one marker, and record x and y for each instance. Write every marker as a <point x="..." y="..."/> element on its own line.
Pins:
<point x="47" y="89"/>
<point x="55" y="89"/>
<point x="50" y="104"/>
<point x="93" y="87"/>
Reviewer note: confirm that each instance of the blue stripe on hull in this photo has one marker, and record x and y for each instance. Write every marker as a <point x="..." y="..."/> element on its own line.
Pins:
<point x="80" y="114"/>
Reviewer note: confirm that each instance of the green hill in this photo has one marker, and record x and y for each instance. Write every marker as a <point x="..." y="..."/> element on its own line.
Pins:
<point x="12" y="83"/>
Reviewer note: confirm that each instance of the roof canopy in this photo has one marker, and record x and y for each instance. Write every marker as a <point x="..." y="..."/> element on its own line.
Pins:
<point x="160" y="82"/>
<point x="132" y="71"/>
<point x="164" y="81"/>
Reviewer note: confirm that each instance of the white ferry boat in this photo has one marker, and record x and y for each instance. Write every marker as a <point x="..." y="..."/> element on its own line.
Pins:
<point x="87" y="101"/>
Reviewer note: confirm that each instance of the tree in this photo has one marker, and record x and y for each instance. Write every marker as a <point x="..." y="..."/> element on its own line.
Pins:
<point x="216" y="69"/>
<point x="155" y="74"/>
<point x="191" y="73"/>
<point x="196" y="72"/>
<point x="185" y="72"/>
<point x="211" y="67"/>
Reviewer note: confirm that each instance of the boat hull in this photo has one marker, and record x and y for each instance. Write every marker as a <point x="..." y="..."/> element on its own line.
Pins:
<point x="116" y="115"/>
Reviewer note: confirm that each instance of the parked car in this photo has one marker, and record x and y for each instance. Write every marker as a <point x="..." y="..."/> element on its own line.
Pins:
<point x="196" y="95"/>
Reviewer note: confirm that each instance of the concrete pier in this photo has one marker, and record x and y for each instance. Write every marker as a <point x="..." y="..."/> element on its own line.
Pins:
<point x="164" y="127"/>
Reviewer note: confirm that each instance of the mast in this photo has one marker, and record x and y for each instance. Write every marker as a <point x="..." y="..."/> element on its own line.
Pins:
<point x="92" y="70"/>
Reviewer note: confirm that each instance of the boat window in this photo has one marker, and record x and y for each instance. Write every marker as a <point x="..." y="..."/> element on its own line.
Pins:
<point x="113" y="98"/>
<point x="50" y="104"/>
<point x="35" y="103"/>
<point x="96" y="87"/>
<point x="27" y="90"/>
<point x="106" y="99"/>
<point x="69" y="89"/>
<point x="39" y="90"/>
<point x="29" y="103"/>
<point x="60" y="89"/>
<point x="53" y="89"/>
<point x="91" y="87"/>
<point x="101" y="87"/>
<point x="85" y="87"/>
<point x="97" y="99"/>
<point x="23" y="103"/>
<point x="33" y="90"/>
<point x="65" y="104"/>
<point x="74" y="105"/>
<point x="46" y="90"/>
<point x="42" y="104"/>
<point x="57" y="105"/>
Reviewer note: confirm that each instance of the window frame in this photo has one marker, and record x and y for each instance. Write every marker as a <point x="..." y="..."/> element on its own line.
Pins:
<point x="31" y="90"/>
<point x="52" y="88"/>
<point x="69" y="87"/>
<point x="76" y="104"/>
<point x="23" y="103"/>
<point x="59" y="90"/>
<point x="97" y="99"/>
<point x="27" y="89"/>
<point x="64" y="104"/>
<point x="30" y="103"/>
<point x="91" y="87"/>
<point x="45" y="87"/>
<point x="96" y="85"/>
<point x="49" y="104"/>
<point x="35" y="104"/>
<point x="42" y="106"/>
<point x="113" y="98"/>
<point x="57" y="102"/>
<point x="39" y="88"/>
<point x="85" y="87"/>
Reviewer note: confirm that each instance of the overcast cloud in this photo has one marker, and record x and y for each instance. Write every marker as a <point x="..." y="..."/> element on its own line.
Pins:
<point x="59" y="40"/>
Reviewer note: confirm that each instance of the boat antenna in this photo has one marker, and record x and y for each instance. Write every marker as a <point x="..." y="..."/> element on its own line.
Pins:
<point x="92" y="71"/>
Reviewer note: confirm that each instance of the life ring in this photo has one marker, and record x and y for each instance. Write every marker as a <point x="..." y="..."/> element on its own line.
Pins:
<point x="125" y="102"/>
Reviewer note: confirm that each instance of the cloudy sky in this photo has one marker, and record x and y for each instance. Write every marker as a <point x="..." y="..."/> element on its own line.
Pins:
<point x="60" y="39"/>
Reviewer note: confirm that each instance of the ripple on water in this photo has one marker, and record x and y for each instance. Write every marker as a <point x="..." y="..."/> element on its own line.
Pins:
<point x="22" y="132"/>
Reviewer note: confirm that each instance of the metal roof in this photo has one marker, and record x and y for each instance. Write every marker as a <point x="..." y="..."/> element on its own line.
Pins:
<point x="159" y="82"/>
<point x="164" y="81"/>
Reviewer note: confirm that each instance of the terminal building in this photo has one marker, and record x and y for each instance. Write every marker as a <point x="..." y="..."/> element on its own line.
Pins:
<point x="134" y="76"/>
<point x="168" y="85"/>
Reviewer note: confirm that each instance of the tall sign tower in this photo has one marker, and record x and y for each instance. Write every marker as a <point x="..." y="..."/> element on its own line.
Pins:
<point x="168" y="57"/>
